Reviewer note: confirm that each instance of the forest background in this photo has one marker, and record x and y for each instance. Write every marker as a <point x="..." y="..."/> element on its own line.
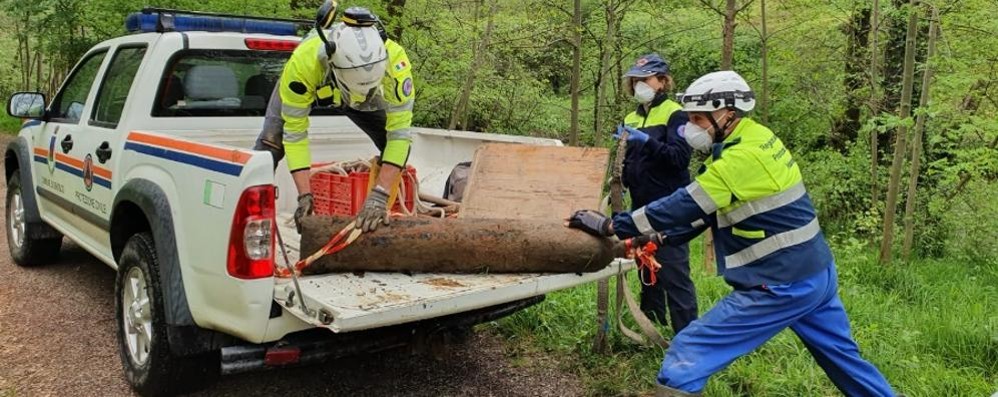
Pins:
<point x="889" y="106"/>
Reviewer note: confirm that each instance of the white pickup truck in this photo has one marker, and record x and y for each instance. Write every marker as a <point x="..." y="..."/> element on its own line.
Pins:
<point x="143" y="159"/>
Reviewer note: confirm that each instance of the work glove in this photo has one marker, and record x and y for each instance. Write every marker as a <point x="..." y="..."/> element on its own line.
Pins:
<point x="634" y="135"/>
<point x="591" y="222"/>
<point x="641" y="241"/>
<point x="375" y="210"/>
<point x="305" y="205"/>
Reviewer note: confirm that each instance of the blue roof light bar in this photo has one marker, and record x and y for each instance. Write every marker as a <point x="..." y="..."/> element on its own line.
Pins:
<point x="166" y="20"/>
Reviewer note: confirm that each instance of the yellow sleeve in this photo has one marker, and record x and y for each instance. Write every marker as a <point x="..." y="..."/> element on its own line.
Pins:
<point x="302" y="74"/>
<point x="400" y="92"/>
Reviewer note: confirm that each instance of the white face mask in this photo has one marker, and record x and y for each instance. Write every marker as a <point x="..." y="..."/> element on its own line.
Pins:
<point x="643" y="93"/>
<point x="697" y="137"/>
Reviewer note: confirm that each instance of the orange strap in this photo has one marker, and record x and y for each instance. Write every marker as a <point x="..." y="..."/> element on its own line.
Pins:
<point x="336" y="244"/>
<point x="645" y="258"/>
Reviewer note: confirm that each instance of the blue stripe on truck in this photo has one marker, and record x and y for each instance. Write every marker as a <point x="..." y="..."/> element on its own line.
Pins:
<point x="186" y="158"/>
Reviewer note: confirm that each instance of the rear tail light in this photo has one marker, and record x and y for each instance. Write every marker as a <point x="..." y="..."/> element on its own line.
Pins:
<point x="271" y="45"/>
<point x="251" y="240"/>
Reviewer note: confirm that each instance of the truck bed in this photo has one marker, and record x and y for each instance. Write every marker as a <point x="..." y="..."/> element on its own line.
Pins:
<point x="344" y="302"/>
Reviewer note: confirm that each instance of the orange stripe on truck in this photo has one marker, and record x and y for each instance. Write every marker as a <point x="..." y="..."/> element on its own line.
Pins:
<point x="230" y="155"/>
<point x="77" y="163"/>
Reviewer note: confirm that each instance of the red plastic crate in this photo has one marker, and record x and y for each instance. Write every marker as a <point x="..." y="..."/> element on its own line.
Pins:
<point x="336" y="194"/>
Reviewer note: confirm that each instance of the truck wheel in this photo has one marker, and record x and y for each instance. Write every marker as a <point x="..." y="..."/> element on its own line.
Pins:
<point x="150" y="366"/>
<point x="26" y="251"/>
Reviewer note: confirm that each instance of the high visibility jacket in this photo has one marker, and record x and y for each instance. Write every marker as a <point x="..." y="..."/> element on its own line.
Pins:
<point x="307" y="79"/>
<point x="660" y="166"/>
<point x="750" y="192"/>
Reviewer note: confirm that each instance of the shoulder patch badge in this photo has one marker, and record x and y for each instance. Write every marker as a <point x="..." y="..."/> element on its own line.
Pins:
<point x="400" y="66"/>
<point x="298" y="87"/>
<point x="407" y="87"/>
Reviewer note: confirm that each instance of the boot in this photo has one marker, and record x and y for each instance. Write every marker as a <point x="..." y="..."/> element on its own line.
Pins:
<point x="666" y="391"/>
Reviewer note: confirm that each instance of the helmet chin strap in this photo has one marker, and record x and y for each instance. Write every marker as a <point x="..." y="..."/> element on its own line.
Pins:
<point x="720" y="132"/>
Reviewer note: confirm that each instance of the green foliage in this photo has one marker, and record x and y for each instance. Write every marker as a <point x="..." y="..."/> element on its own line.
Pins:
<point x="9" y="125"/>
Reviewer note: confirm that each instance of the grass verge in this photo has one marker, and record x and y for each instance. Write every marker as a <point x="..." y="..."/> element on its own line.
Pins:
<point x="9" y="125"/>
<point x="930" y="326"/>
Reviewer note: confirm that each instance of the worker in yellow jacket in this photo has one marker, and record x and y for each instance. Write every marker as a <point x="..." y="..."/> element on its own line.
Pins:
<point x="353" y="66"/>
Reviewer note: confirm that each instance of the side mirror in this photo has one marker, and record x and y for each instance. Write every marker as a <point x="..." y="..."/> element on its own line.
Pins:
<point x="26" y="105"/>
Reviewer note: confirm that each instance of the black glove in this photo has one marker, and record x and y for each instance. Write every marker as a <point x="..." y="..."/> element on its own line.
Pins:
<point x="375" y="210"/>
<point x="591" y="222"/>
<point x="641" y="241"/>
<point x="305" y="202"/>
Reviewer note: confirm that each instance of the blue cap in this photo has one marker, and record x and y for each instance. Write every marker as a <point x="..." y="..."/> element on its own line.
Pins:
<point x="648" y="65"/>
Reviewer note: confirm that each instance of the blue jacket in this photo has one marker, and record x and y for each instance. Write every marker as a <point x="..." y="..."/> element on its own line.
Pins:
<point x="660" y="166"/>
<point x="751" y="194"/>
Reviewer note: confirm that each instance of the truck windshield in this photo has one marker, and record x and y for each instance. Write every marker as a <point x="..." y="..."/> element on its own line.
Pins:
<point x="220" y="83"/>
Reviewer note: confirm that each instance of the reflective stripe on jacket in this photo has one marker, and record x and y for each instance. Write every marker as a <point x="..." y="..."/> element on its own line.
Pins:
<point x="660" y="166"/>
<point x="751" y="194"/>
<point x="306" y="80"/>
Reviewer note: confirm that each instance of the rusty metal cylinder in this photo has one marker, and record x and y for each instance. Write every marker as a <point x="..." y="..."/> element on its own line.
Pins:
<point x="419" y="244"/>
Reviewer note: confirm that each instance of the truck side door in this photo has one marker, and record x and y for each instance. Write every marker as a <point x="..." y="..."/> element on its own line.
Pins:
<point x="57" y="171"/>
<point x="99" y="143"/>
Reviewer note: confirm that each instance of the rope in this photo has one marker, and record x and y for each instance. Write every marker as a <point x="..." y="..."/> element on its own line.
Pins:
<point x="340" y="240"/>
<point x="645" y="258"/>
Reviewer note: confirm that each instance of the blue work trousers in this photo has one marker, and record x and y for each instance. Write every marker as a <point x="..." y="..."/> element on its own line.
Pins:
<point x="745" y="319"/>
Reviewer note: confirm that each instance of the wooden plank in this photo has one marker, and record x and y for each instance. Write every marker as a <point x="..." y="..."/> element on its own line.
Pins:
<point x="511" y="181"/>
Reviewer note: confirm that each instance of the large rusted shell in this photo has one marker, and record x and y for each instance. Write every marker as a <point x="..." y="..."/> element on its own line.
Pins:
<point x="458" y="246"/>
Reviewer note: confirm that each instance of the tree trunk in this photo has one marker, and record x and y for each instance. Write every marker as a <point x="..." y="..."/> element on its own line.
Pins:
<point x="38" y="71"/>
<point x="764" y="98"/>
<point x="857" y="30"/>
<point x="894" y="183"/>
<point x="916" y="150"/>
<point x="459" y="113"/>
<point x="728" y="49"/>
<point x="619" y="82"/>
<point x="875" y="105"/>
<point x="599" y="125"/>
<point x="24" y="36"/>
<point x="396" y="10"/>
<point x="708" y="251"/>
<point x="603" y="286"/>
<point x="573" y="133"/>
<point x="874" y="72"/>
<point x="892" y="68"/>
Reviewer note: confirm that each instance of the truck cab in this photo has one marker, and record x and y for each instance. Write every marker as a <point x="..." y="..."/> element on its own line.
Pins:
<point x="143" y="158"/>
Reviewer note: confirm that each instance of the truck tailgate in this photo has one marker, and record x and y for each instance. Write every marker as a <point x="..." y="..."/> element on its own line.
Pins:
<point x="344" y="302"/>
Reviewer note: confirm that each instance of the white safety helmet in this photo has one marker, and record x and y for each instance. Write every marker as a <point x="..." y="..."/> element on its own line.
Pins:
<point x="358" y="61"/>
<point x="718" y="90"/>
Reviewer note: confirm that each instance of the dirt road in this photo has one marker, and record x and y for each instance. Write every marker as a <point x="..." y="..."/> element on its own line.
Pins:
<point x="57" y="337"/>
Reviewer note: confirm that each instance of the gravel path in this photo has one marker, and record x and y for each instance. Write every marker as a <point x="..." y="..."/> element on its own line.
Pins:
<point x="57" y="338"/>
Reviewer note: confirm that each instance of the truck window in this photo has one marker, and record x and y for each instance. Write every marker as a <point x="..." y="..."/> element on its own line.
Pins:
<point x="67" y="107"/>
<point x="215" y="83"/>
<point x="114" y="89"/>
